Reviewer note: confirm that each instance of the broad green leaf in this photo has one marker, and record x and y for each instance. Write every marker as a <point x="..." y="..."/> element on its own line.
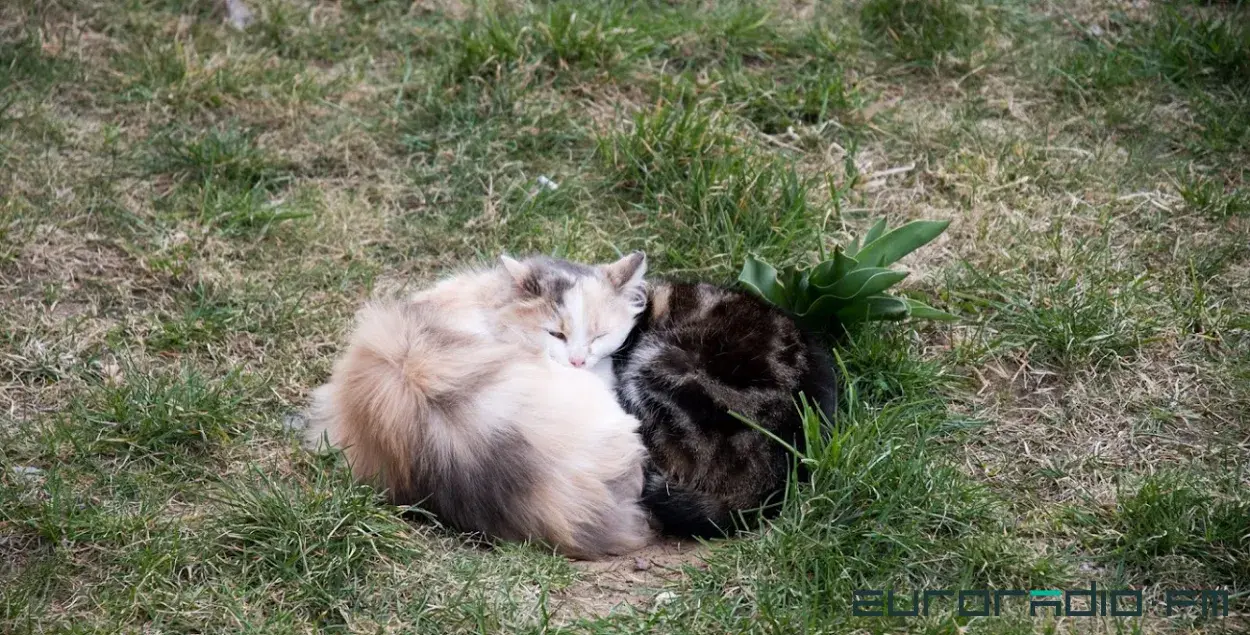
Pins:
<point x="875" y="232"/>
<point x="831" y="271"/>
<point x="760" y="278"/>
<point x="852" y="247"/>
<point x="877" y="307"/>
<point x="823" y="274"/>
<point x="900" y="242"/>
<point x="798" y="282"/>
<point x="862" y="283"/>
<point x="922" y="311"/>
<point x="843" y="264"/>
<point x="792" y="277"/>
<point x="850" y="287"/>
<point x="821" y="310"/>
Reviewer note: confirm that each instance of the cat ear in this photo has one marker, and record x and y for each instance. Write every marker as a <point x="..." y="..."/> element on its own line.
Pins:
<point x="521" y="274"/>
<point x="627" y="272"/>
<point x="626" y="275"/>
<point x="515" y="268"/>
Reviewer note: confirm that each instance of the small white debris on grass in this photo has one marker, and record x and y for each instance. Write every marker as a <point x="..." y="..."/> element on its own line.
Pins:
<point x="112" y="373"/>
<point x="664" y="597"/>
<point x="544" y="183"/>
<point x="238" y="15"/>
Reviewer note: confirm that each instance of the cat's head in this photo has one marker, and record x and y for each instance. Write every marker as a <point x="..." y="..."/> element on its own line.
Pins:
<point x="580" y="314"/>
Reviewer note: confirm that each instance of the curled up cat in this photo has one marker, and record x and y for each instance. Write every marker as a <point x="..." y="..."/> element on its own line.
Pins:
<point x="699" y="354"/>
<point x="698" y="357"/>
<point x="471" y="399"/>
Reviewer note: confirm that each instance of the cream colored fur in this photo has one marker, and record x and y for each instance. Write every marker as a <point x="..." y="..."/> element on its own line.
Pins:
<point x="445" y="402"/>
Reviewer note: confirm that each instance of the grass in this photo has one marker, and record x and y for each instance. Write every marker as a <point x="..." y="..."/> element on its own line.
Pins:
<point x="926" y="31"/>
<point x="1167" y="515"/>
<point x="189" y="216"/>
<point x="1208" y="197"/>
<point x="560" y="36"/>
<point x="1194" y="55"/>
<point x="316" y="539"/>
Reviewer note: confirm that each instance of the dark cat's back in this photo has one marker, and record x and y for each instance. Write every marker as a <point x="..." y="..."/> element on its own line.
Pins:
<point x="699" y="353"/>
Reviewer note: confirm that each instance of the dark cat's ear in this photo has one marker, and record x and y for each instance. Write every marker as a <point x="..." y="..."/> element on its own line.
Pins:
<point x="521" y="273"/>
<point x="628" y="271"/>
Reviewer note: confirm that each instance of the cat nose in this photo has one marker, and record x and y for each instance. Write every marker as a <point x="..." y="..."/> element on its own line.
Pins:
<point x="577" y="362"/>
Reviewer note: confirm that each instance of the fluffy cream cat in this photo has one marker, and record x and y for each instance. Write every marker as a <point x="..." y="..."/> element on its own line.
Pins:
<point x="472" y="399"/>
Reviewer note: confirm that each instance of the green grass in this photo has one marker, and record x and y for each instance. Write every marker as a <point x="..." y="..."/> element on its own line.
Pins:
<point x="560" y="36"/>
<point x="225" y="181"/>
<point x="189" y="216"/>
<point x="1070" y="323"/>
<point x="805" y="98"/>
<point x="229" y="158"/>
<point x="1196" y="56"/>
<point x="161" y="418"/>
<point x="926" y="31"/>
<point x="1180" y="46"/>
<point x="23" y="64"/>
<point x="1209" y="198"/>
<point x="684" y="162"/>
<point x="1168" y="515"/>
<point x="316" y="539"/>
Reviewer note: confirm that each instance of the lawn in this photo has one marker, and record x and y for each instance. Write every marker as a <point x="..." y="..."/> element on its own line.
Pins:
<point x="190" y="214"/>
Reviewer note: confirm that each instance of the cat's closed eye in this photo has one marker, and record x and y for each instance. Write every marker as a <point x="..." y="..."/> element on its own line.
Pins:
<point x="558" y="335"/>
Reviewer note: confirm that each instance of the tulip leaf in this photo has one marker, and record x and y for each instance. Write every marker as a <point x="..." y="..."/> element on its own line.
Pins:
<point x="874" y="232"/>
<point x="851" y="286"/>
<point x="877" y="307"/>
<point x="862" y="283"/>
<point x="899" y="242"/>
<point x="831" y="271"/>
<point x="760" y="278"/>
<point x="920" y="310"/>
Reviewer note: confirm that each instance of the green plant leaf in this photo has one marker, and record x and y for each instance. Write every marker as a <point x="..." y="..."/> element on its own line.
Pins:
<point x="852" y="247"/>
<point x="900" y="242"/>
<point x="821" y="310"/>
<point x="843" y="264"/>
<point x="862" y="283"/>
<point x="797" y="281"/>
<point x="823" y="274"/>
<point x="793" y="277"/>
<point x="849" y="287"/>
<point x="875" y="232"/>
<point x="833" y="270"/>
<point x="760" y="278"/>
<point x="922" y="311"/>
<point x="877" y="307"/>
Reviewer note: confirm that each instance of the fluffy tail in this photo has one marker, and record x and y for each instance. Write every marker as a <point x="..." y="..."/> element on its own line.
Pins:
<point x="400" y="364"/>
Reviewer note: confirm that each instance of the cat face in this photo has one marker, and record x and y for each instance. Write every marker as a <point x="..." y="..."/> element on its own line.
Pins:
<point x="580" y="314"/>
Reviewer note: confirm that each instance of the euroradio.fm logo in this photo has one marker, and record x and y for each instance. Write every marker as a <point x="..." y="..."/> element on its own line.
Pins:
<point x="1089" y="602"/>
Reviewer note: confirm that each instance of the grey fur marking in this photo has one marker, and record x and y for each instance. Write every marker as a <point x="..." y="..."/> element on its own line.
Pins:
<point x="550" y="279"/>
<point x="492" y="490"/>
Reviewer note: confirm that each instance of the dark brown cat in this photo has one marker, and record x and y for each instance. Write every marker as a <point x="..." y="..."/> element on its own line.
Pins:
<point x="698" y="352"/>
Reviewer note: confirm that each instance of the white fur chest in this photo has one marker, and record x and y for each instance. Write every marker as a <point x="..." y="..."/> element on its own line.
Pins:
<point x="603" y="370"/>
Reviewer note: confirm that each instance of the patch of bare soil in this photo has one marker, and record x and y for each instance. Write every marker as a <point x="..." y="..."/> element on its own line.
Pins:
<point x="627" y="583"/>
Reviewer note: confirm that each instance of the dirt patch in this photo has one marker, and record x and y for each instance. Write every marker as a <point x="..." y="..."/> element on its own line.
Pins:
<point x="634" y="582"/>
